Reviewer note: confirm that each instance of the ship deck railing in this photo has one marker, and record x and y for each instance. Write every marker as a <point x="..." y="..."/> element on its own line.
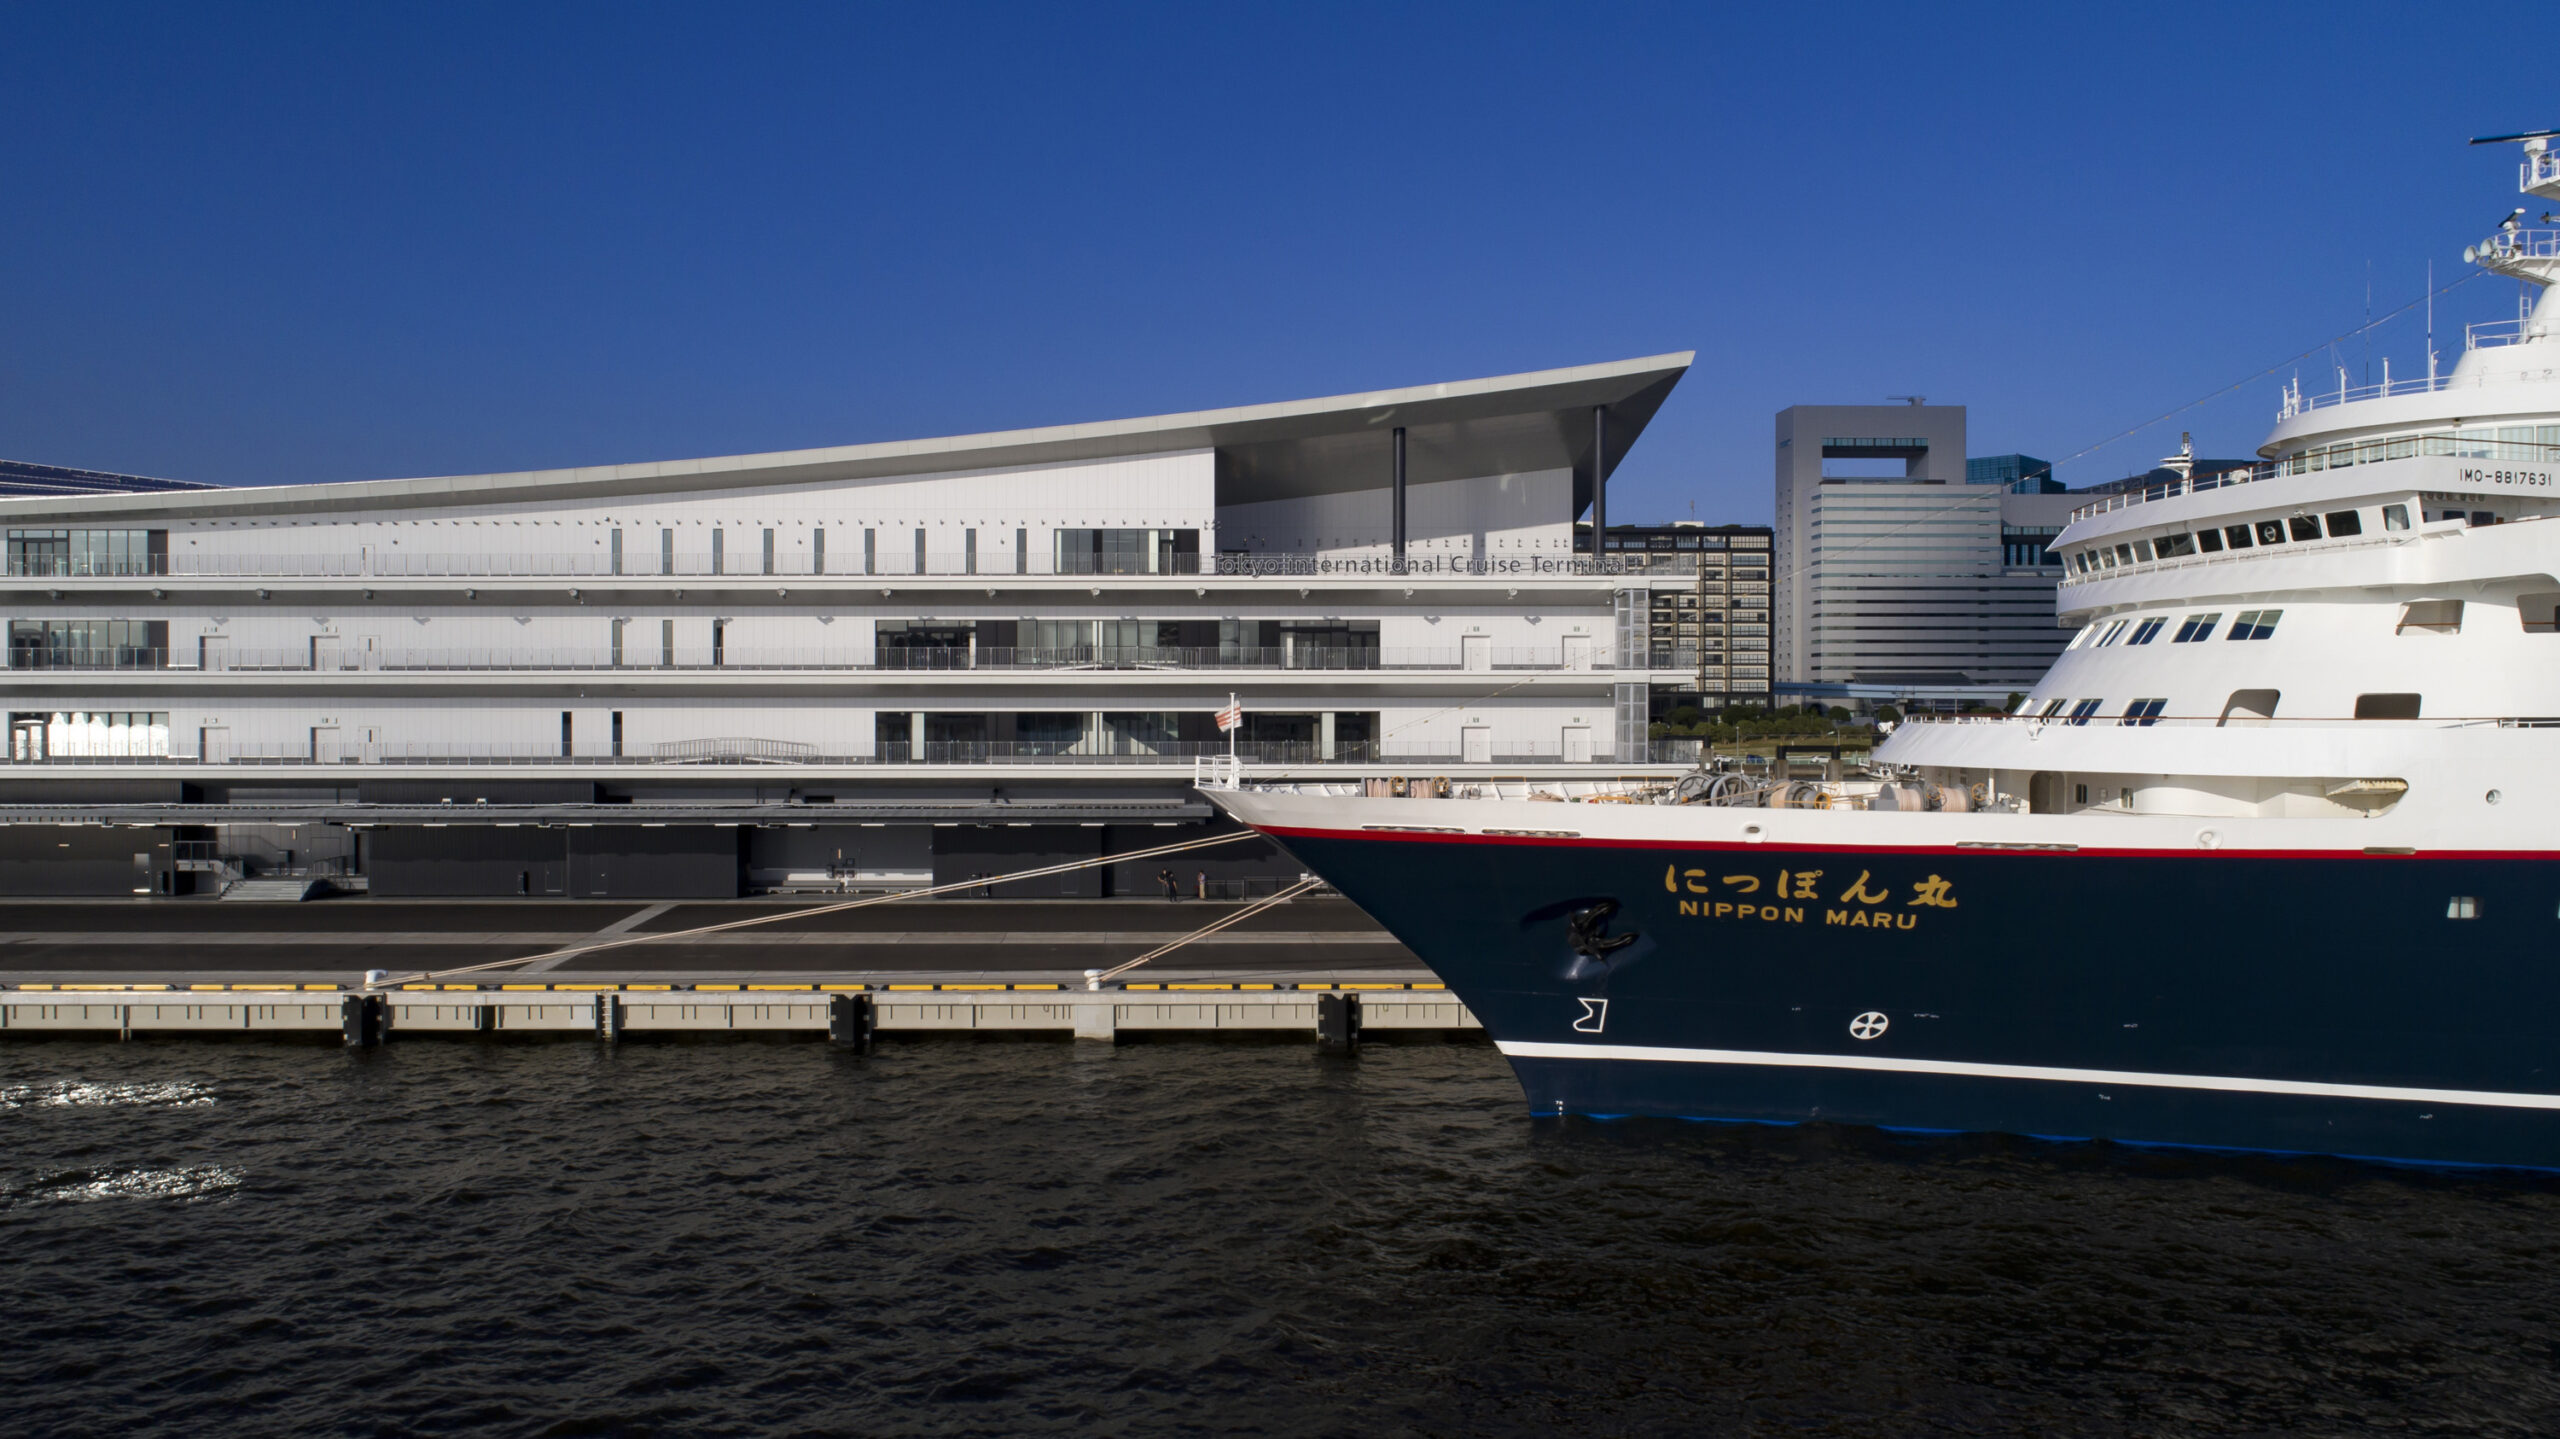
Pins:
<point x="2343" y="455"/>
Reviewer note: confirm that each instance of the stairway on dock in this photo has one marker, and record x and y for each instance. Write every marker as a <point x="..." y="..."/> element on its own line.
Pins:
<point x="292" y="887"/>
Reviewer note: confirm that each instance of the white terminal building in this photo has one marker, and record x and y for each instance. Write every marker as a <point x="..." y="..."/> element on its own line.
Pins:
<point x="862" y="666"/>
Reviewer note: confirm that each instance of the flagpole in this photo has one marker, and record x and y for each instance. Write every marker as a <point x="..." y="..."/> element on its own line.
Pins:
<point x="1231" y="731"/>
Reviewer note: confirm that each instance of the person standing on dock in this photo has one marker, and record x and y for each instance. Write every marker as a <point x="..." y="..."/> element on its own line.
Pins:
<point x="1165" y="877"/>
<point x="1200" y="881"/>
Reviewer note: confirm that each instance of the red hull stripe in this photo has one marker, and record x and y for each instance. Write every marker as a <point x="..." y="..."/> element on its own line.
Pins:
<point x="2021" y="848"/>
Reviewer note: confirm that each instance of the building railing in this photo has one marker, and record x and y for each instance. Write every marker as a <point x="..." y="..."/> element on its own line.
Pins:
<point x="385" y="563"/>
<point x="354" y="657"/>
<point x="1632" y="562"/>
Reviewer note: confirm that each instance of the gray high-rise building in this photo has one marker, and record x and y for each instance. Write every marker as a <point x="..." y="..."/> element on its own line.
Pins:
<point x="1895" y="568"/>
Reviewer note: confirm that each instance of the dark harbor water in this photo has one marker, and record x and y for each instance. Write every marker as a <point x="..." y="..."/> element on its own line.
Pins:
<point x="1183" y="1237"/>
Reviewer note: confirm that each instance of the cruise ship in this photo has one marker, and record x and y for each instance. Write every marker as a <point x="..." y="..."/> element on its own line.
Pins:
<point x="2266" y="861"/>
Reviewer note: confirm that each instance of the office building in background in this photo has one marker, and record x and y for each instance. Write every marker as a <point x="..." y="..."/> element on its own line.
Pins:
<point x="1905" y="571"/>
<point x="1715" y="630"/>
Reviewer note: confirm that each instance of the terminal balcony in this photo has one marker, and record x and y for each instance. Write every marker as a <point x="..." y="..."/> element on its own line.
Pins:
<point x="336" y="655"/>
<point x="600" y="564"/>
<point x="733" y="752"/>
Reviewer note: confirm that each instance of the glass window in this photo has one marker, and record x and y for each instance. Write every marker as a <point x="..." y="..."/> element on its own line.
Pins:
<point x="2254" y="624"/>
<point x="2080" y="712"/>
<point x="2148" y="630"/>
<point x="2142" y="549"/>
<point x="2144" y="712"/>
<point x="2124" y="554"/>
<point x="2343" y="523"/>
<point x="2115" y="630"/>
<point x="2051" y="708"/>
<point x="2209" y="541"/>
<point x="2172" y="547"/>
<point x="2304" y="527"/>
<point x="2387" y="706"/>
<point x="2238" y="535"/>
<point x="2197" y="627"/>
<point x="2082" y="638"/>
<point x="2270" y="532"/>
<point x="2395" y="517"/>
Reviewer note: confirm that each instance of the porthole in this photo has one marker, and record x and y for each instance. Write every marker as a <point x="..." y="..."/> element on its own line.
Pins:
<point x="2493" y="796"/>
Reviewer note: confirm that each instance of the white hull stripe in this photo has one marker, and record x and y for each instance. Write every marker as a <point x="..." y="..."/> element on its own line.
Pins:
<point x="1883" y="1064"/>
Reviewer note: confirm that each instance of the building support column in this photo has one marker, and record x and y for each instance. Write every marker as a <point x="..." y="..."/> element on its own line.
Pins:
<point x="1599" y="482"/>
<point x="1396" y="501"/>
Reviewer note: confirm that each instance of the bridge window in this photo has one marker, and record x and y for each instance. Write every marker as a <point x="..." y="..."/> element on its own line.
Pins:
<point x="2144" y="712"/>
<point x="2080" y="712"/>
<point x="2148" y="630"/>
<point x="2209" y="541"/>
<point x="2304" y="527"/>
<point x="2197" y="627"/>
<point x="2114" y="631"/>
<point x="2238" y="535"/>
<point x="2174" y="546"/>
<point x="2343" y="523"/>
<point x="2395" y="517"/>
<point x="2270" y="532"/>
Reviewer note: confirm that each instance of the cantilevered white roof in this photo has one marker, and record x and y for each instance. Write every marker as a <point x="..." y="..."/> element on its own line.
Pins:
<point x="1507" y="424"/>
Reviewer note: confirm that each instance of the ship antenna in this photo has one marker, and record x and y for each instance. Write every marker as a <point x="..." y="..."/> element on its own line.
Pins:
<point x="2431" y="323"/>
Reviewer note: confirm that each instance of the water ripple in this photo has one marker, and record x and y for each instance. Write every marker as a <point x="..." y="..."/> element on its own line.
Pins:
<point x="84" y="1094"/>
<point x="1004" y="1238"/>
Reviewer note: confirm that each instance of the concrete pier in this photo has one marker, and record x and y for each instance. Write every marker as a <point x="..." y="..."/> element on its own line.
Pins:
<point x="629" y="1011"/>
<point x="934" y="966"/>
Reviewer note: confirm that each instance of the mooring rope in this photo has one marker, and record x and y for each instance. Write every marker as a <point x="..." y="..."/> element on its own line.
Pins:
<point x="1094" y="979"/>
<point x="864" y="903"/>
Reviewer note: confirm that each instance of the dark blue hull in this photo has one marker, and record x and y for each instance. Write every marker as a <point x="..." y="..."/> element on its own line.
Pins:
<point x="2395" y="1007"/>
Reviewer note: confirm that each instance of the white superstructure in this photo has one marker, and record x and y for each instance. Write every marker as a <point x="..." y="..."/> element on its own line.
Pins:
<point x="2376" y="598"/>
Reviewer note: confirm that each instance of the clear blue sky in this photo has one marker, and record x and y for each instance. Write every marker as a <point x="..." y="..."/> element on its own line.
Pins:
<point x="278" y="243"/>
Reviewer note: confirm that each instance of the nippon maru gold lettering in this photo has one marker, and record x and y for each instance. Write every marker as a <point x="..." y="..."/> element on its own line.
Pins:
<point x="1865" y="902"/>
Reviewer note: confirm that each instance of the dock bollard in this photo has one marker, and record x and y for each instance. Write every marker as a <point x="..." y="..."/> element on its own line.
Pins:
<point x="851" y="1018"/>
<point x="1338" y="1020"/>
<point x="360" y="1020"/>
